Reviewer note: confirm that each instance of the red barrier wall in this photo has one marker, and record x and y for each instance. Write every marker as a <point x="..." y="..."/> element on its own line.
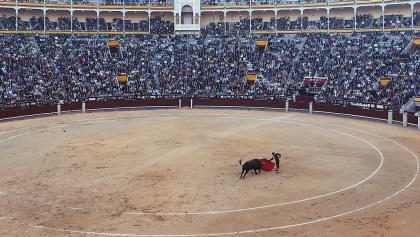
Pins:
<point x="239" y="102"/>
<point x="381" y="114"/>
<point x="71" y="106"/>
<point x="130" y="103"/>
<point x="299" y="105"/>
<point x="412" y="119"/>
<point x="16" y="112"/>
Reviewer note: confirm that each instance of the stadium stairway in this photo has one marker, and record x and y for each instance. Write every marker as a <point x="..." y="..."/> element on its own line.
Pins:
<point x="299" y="46"/>
<point x="410" y="49"/>
<point x="412" y="106"/>
<point x="157" y="71"/>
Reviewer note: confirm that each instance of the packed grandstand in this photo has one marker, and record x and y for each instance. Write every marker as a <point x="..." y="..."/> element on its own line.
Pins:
<point x="41" y="67"/>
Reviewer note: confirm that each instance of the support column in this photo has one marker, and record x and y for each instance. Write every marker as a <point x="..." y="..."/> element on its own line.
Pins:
<point x="97" y="21"/>
<point x="124" y="20"/>
<point x="191" y="103"/>
<point x="412" y="16"/>
<point x="287" y="106"/>
<point x="16" y="24"/>
<point x="45" y="21"/>
<point x="355" y="19"/>
<point x="224" y="18"/>
<point x="294" y="97"/>
<point x="383" y="18"/>
<point x="83" y="107"/>
<point x="150" y="16"/>
<point x="328" y="20"/>
<point x="418" y="120"/>
<point x="405" y="119"/>
<point x="301" y="18"/>
<point x="250" y="19"/>
<point x="58" y="108"/>
<point x="71" y="18"/>
<point x="179" y="103"/>
<point x="311" y="104"/>
<point x="97" y="17"/>
<point x="275" y="19"/>
<point x="390" y="114"/>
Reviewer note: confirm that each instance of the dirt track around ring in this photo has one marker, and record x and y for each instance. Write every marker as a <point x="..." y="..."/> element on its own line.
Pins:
<point x="176" y="172"/>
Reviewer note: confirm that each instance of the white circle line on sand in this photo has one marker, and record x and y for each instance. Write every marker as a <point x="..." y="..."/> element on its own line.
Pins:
<point x="275" y="119"/>
<point x="261" y="229"/>
<point x="285" y="203"/>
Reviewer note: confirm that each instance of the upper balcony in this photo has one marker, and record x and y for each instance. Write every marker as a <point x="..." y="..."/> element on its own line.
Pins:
<point x="210" y="5"/>
<point x="90" y="3"/>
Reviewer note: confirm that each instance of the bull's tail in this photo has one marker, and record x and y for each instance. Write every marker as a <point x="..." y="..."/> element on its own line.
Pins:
<point x="240" y="161"/>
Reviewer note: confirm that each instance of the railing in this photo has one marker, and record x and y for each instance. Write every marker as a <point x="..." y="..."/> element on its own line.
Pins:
<point x="187" y="27"/>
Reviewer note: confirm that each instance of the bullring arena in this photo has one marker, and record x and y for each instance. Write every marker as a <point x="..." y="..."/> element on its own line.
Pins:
<point x="175" y="172"/>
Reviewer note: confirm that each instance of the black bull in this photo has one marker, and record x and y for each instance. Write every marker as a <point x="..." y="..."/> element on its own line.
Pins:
<point x="253" y="164"/>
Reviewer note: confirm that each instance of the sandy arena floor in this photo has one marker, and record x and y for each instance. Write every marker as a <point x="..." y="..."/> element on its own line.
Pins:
<point x="176" y="173"/>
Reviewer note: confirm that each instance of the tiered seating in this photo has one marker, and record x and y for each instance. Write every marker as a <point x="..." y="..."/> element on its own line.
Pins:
<point x="45" y="69"/>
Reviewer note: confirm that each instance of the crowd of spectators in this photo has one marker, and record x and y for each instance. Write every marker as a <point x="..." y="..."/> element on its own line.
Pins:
<point x="368" y="21"/>
<point x="416" y="18"/>
<point x="243" y="26"/>
<point x="160" y="26"/>
<point x="394" y="21"/>
<point x="337" y="23"/>
<point x="356" y="63"/>
<point x="51" y="68"/>
<point x="7" y="22"/>
<point x="258" y="24"/>
<point x="285" y="23"/>
<point x="157" y="25"/>
<point x="215" y="28"/>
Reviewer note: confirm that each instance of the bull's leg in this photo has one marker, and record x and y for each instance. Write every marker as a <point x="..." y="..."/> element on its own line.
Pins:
<point x="246" y="172"/>
<point x="255" y="170"/>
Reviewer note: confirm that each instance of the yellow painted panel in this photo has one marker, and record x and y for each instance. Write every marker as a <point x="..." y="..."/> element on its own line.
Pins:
<point x="113" y="43"/>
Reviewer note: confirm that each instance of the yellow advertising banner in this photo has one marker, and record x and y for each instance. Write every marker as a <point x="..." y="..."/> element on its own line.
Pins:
<point x="261" y="42"/>
<point x="122" y="78"/>
<point x="113" y="43"/>
<point x="384" y="81"/>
